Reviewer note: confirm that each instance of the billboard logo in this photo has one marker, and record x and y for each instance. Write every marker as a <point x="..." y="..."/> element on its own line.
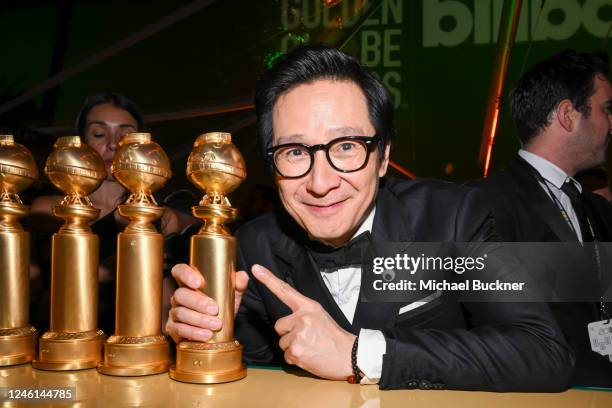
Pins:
<point x="451" y="22"/>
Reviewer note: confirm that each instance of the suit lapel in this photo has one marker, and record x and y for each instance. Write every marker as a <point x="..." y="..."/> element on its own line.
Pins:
<point x="389" y="226"/>
<point x="302" y="273"/>
<point x="550" y="213"/>
<point x="600" y="217"/>
<point x="538" y="199"/>
<point x="391" y="218"/>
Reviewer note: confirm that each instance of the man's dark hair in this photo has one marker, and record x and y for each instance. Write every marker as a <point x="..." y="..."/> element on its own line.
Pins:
<point x="567" y="75"/>
<point x="309" y="63"/>
<point x="116" y="100"/>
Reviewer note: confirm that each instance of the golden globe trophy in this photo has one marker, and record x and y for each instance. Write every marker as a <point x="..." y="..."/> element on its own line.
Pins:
<point x="73" y="341"/>
<point x="138" y="346"/>
<point x="17" y="337"/>
<point x="216" y="167"/>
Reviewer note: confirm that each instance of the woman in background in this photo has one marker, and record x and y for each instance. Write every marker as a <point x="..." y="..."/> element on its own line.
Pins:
<point x="101" y="122"/>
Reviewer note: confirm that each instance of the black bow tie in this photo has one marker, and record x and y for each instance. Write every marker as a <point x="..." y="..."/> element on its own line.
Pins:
<point x="351" y="253"/>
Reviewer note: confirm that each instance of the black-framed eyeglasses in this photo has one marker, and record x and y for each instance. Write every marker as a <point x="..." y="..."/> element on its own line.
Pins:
<point x="345" y="154"/>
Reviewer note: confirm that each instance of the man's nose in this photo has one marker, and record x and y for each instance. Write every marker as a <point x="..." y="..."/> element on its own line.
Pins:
<point x="323" y="177"/>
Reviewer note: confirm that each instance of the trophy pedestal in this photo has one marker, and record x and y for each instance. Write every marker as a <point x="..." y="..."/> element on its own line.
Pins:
<point x="208" y="363"/>
<point x="69" y="351"/>
<point x="135" y="356"/>
<point x="17" y="346"/>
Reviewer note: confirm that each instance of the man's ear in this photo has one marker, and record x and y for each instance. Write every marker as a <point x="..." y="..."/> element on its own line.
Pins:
<point x="566" y="115"/>
<point x="382" y="170"/>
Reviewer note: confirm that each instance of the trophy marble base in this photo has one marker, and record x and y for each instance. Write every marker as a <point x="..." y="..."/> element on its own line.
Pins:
<point x="17" y="346"/>
<point x="208" y="363"/>
<point x="69" y="351"/>
<point x="135" y="356"/>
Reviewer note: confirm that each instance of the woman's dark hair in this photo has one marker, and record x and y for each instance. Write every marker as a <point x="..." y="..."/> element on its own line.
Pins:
<point x="567" y="75"/>
<point x="309" y="63"/>
<point x="116" y="100"/>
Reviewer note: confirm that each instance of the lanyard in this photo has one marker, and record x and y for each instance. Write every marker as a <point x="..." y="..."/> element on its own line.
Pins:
<point x="602" y="305"/>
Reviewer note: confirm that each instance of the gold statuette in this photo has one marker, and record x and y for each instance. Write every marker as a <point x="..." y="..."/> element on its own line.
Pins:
<point x="138" y="346"/>
<point x="73" y="341"/>
<point x="216" y="167"/>
<point x="17" y="171"/>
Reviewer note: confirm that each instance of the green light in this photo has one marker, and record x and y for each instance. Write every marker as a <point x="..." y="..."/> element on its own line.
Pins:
<point x="271" y="58"/>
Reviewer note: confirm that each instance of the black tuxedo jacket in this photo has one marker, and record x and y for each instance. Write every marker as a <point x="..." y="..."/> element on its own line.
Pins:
<point x="477" y="346"/>
<point x="525" y="213"/>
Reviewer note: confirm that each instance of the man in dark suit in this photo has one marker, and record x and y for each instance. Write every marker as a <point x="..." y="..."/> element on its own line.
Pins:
<point x="561" y="107"/>
<point x="325" y="123"/>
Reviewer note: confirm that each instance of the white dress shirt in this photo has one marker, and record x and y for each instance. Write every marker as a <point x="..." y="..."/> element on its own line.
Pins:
<point x="344" y="285"/>
<point x="554" y="178"/>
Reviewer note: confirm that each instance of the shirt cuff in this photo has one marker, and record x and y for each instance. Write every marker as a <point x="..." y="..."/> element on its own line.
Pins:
<point x="372" y="346"/>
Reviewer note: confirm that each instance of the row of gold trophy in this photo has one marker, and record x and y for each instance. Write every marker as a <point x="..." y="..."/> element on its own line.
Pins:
<point x="138" y="346"/>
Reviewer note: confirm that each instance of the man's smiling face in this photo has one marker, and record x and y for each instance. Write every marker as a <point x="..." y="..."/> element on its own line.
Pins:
<point x="328" y="204"/>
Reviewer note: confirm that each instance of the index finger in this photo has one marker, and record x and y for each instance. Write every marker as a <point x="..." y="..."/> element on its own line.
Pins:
<point x="281" y="289"/>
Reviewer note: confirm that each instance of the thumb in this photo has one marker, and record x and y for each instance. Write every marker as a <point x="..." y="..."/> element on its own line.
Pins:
<point x="242" y="281"/>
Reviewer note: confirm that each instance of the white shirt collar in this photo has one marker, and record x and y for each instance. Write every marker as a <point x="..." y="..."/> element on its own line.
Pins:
<point x="366" y="225"/>
<point x="549" y="171"/>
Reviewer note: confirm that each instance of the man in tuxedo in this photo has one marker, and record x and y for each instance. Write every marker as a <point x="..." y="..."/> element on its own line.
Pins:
<point x="325" y="123"/>
<point x="561" y="108"/>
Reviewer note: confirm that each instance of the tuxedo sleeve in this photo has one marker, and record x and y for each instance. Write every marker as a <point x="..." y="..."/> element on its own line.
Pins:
<point x="505" y="347"/>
